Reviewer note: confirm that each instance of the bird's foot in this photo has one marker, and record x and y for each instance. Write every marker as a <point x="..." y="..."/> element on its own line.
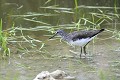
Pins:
<point x="85" y="53"/>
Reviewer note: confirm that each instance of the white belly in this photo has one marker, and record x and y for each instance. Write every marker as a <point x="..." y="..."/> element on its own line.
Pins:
<point x="81" y="42"/>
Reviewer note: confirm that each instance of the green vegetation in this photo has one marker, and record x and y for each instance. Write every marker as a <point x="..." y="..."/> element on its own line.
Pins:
<point x="5" y="51"/>
<point x="106" y="75"/>
<point x="102" y="75"/>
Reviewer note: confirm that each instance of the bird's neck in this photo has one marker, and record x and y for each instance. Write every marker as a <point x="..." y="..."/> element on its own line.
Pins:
<point x="64" y="36"/>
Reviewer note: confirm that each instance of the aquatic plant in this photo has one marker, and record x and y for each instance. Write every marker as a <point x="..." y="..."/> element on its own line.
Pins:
<point x="5" y="51"/>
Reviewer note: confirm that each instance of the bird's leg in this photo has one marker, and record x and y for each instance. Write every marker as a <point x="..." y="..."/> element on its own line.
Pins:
<point x="84" y="48"/>
<point x="81" y="52"/>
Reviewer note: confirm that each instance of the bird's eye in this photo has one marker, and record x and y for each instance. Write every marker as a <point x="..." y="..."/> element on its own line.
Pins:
<point x="57" y="32"/>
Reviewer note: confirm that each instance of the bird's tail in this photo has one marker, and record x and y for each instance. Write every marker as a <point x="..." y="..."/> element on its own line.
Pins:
<point x="101" y="30"/>
<point x="97" y="32"/>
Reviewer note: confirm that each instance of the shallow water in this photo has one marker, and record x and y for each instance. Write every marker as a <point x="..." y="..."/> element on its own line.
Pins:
<point x="102" y="61"/>
<point x="37" y="20"/>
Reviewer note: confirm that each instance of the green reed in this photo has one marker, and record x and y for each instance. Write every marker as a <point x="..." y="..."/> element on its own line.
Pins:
<point x="115" y="6"/>
<point x="76" y="4"/>
<point x="5" y="51"/>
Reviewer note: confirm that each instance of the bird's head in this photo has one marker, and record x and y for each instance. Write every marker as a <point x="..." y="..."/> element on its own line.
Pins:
<point x="58" y="32"/>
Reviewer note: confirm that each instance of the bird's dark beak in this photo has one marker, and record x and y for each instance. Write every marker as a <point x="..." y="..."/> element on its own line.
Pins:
<point x="53" y="36"/>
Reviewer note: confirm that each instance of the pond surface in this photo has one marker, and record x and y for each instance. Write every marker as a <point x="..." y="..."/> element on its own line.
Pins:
<point x="36" y="20"/>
